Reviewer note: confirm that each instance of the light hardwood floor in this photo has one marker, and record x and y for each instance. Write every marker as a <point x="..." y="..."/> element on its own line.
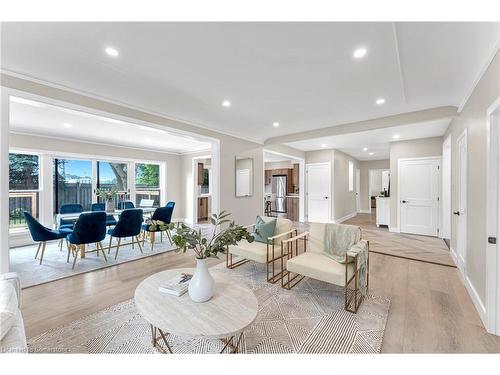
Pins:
<point x="430" y="308"/>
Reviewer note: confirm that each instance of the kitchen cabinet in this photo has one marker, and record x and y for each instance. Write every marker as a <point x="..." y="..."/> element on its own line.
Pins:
<point x="383" y="211"/>
<point x="292" y="206"/>
<point x="200" y="174"/>
<point x="268" y="176"/>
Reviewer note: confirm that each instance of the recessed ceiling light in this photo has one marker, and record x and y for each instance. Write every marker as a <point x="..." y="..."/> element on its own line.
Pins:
<point x="226" y="103"/>
<point x="147" y="139"/>
<point x="371" y="153"/>
<point x="67" y="125"/>
<point x="276" y="124"/>
<point x="380" y="101"/>
<point x="113" y="52"/>
<point x="395" y="136"/>
<point x="359" y="53"/>
<point x="323" y="145"/>
<point x="365" y="148"/>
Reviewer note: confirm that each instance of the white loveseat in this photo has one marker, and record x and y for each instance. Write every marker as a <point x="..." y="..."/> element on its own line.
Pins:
<point x="311" y="260"/>
<point x="266" y="253"/>
<point x="14" y="337"/>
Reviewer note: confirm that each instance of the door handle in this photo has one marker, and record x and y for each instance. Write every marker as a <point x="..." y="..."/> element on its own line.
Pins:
<point x="456" y="213"/>
<point x="325" y="197"/>
<point x="403" y="201"/>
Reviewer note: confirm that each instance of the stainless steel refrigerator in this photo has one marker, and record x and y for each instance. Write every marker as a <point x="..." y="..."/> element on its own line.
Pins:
<point x="279" y="188"/>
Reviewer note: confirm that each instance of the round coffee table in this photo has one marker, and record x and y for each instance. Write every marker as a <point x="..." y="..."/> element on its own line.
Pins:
<point x="232" y="309"/>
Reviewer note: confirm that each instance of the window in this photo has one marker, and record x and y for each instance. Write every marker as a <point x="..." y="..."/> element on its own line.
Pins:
<point x="147" y="183"/>
<point x="72" y="183"/>
<point x="351" y="176"/>
<point x="113" y="176"/>
<point x="24" y="172"/>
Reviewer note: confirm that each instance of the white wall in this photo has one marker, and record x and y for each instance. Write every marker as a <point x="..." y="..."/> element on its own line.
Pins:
<point x="473" y="118"/>
<point x="345" y="200"/>
<point x="416" y="148"/>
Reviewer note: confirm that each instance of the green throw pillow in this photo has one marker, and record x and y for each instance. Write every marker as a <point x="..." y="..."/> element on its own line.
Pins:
<point x="263" y="230"/>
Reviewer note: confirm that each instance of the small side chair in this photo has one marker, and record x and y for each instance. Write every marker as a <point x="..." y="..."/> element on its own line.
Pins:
<point x="90" y="228"/>
<point x="110" y="219"/>
<point x="125" y="205"/>
<point x="42" y="234"/>
<point x="129" y="225"/>
<point x="163" y="214"/>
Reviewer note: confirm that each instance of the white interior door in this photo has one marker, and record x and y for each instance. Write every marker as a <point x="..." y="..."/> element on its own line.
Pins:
<point x="445" y="231"/>
<point x="318" y="192"/>
<point x="461" y="208"/>
<point x="358" y="190"/>
<point x="419" y="196"/>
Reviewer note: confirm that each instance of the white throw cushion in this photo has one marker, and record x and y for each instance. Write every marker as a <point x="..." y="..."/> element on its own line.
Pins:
<point x="256" y="251"/>
<point x="319" y="267"/>
<point x="8" y="308"/>
<point x="282" y="225"/>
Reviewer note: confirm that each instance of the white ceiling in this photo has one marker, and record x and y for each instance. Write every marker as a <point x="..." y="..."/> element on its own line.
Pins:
<point x="377" y="141"/>
<point x="31" y="117"/>
<point x="302" y="75"/>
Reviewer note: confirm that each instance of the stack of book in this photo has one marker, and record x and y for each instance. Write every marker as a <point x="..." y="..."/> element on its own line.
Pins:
<point x="177" y="285"/>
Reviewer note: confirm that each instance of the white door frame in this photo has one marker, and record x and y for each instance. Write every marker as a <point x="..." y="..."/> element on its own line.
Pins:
<point x="492" y="220"/>
<point x="370" y="171"/>
<point x="302" y="179"/>
<point x="446" y="210"/>
<point x="358" y="190"/>
<point x="439" y="159"/>
<point x="455" y="253"/>
<point x="330" y="184"/>
<point x="194" y="177"/>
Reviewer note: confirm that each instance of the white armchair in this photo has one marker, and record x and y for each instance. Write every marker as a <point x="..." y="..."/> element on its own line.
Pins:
<point x="13" y="339"/>
<point x="259" y="252"/>
<point x="312" y="260"/>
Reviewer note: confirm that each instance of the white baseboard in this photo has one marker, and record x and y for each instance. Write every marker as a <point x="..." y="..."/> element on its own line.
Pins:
<point x="476" y="300"/>
<point x="364" y="212"/>
<point x="393" y="229"/>
<point x="478" y="304"/>
<point x="347" y="217"/>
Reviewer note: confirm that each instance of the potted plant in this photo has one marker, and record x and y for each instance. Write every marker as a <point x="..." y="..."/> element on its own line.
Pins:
<point x="108" y="196"/>
<point x="201" y="286"/>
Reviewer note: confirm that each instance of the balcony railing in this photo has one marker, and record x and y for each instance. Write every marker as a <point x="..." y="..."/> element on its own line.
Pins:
<point x="20" y="201"/>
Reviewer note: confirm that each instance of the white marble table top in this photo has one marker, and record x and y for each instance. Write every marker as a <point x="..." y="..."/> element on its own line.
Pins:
<point x="232" y="308"/>
<point x="76" y="215"/>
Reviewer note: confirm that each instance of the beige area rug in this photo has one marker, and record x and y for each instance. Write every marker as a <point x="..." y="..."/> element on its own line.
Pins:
<point x="307" y="319"/>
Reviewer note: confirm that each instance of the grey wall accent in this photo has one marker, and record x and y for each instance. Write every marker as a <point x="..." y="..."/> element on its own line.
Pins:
<point x="365" y="167"/>
<point x="473" y="118"/>
<point x="345" y="200"/>
<point x="244" y="210"/>
<point x="416" y="148"/>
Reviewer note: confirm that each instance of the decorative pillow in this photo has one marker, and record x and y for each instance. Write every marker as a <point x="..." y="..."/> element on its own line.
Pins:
<point x="263" y="229"/>
<point x="8" y="308"/>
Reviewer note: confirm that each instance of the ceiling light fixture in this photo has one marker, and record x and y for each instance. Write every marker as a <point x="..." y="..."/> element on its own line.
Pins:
<point x="226" y="103"/>
<point x="67" y="125"/>
<point x="365" y="149"/>
<point x="359" y="53"/>
<point x="380" y="101"/>
<point x="113" y="52"/>
<point x="323" y="145"/>
<point x="371" y="154"/>
<point x="276" y="124"/>
<point x="395" y="136"/>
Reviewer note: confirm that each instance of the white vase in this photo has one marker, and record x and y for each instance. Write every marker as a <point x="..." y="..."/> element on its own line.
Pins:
<point x="201" y="286"/>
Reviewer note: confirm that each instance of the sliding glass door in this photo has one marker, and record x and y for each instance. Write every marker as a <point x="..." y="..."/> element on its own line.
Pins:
<point x="72" y="183"/>
<point x="113" y="176"/>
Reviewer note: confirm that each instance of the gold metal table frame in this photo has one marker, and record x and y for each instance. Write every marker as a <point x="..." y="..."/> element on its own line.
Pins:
<point x="158" y="336"/>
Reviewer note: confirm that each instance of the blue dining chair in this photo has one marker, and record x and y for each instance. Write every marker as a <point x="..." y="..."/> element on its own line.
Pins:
<point x="70" y="208"/>
<point x="163" y="214"/>
<point x="42" y="234"/>
<point x="129" y="225"/>
<point x="125" y="205"/>
<point x="90" y="228"/>
<point x="110" y="219"/>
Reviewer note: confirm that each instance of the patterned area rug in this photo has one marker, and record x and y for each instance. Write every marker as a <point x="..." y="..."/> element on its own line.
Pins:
<point x="310" y="318"/>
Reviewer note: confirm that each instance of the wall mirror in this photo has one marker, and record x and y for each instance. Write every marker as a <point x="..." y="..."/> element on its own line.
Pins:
<point x="244" y="176"/>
